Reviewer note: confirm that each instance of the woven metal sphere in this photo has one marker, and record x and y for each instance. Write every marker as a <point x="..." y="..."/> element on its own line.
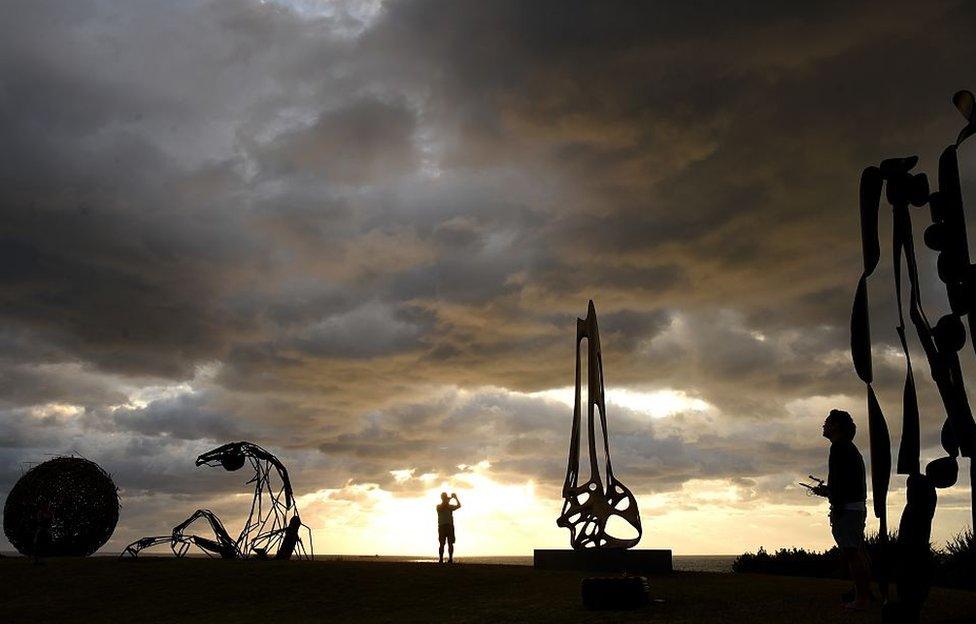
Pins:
<point x="65" y="507"/>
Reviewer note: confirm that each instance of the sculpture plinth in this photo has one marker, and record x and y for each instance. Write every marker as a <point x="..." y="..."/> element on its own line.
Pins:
<point x="604" y="560"/>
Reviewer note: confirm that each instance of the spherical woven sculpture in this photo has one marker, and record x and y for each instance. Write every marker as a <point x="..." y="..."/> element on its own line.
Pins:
<point x="65" y="507"/>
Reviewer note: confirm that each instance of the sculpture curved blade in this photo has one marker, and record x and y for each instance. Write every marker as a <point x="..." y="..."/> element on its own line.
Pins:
<point x="589" y="506"/>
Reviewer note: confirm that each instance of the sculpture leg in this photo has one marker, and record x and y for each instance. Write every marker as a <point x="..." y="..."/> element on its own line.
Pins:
<point x="223" y="545"/>
<point x="913" y="570"/>
<point x="133" y="549"/>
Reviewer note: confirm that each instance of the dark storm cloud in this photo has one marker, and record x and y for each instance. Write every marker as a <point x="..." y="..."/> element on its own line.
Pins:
<point x="364" y="141"/>
<point x="24" y="385"/>
<point x="185" y="417"/>
<point x="363" y="234"/>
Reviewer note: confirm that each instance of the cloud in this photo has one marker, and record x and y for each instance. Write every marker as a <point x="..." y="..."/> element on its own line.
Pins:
<point x="358" y="144"/>
<point x="360" y="233"/>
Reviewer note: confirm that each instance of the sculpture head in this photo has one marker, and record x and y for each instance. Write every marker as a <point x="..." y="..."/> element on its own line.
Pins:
<point x="231" y="456"/>
<point x="966" y="105"/>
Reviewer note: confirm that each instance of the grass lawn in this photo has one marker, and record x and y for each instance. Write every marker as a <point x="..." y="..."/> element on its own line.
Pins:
<point x="160" y="590"/>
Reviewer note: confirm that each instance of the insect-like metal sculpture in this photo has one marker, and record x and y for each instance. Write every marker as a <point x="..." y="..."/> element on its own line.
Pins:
<point x="273" y="528"/>
<point x="940" y="344"/>
<point x="589" y="506"/>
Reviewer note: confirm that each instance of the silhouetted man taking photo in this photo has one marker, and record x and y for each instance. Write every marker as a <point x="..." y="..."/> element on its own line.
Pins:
<point x="445" y="525"/>
<point x="846" y="489"/>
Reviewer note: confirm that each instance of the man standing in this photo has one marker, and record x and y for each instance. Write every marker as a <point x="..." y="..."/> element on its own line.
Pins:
<point x="846" y="489"/>
<point x="445" y="525"/>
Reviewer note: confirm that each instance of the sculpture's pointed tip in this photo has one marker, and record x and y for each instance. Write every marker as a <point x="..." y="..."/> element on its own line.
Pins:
<point x="965" y="103"/>
<point x="591" y="306"/>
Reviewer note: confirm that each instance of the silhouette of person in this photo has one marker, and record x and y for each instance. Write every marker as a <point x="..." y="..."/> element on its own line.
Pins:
<point x="445" y="525"/>
<point x="846" y="489"/>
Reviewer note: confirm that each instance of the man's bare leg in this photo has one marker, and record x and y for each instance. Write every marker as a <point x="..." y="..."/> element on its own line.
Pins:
<point x="450" y="551"/>
<point x="440" y="552"/>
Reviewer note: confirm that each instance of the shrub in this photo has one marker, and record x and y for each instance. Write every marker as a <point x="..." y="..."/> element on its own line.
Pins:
<point x="791" y="562"/>
<point x="956" y="563"/>
<point x="953" y="566"/>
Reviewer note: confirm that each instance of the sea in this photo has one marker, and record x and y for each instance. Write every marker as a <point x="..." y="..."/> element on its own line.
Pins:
<point x="684" y="563"/>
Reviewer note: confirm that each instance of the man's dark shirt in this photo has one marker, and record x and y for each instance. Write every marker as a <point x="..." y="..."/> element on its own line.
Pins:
<point x="845" y="479"/>
<point x="445" y="514"/>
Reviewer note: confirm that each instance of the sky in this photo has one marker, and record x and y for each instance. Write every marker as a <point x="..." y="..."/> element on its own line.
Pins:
<point x="359" y="233"/>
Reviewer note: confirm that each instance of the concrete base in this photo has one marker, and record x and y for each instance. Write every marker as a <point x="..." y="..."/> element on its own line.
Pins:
<point x="604" y="560"/>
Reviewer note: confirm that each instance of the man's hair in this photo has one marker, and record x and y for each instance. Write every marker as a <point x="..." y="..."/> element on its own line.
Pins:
<point x="843" y="421"/>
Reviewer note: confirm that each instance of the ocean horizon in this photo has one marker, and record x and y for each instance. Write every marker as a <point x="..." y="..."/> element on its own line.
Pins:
<point x="682" y="563"/>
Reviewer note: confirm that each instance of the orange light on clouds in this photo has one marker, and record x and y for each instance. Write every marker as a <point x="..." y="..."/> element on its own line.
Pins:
<point x="656" y="403"/>
<point x="495" y="518"/>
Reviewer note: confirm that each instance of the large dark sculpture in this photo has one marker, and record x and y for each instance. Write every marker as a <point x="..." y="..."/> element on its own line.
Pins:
<point x="66" y="506"/>
<point x="941" y="345"/>
<point x="273" y="527"/>
<point x="589" y="506"/>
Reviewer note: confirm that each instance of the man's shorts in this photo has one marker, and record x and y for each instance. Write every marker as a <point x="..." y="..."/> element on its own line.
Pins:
<point x="445" y="532"/>
<point x="847" y="527"/>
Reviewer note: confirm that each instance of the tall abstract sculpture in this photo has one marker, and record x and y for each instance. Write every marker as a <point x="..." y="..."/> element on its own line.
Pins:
<point x="587" y="507"/>
<point x="273" y="527"/>
<point x="940" y="344"/>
